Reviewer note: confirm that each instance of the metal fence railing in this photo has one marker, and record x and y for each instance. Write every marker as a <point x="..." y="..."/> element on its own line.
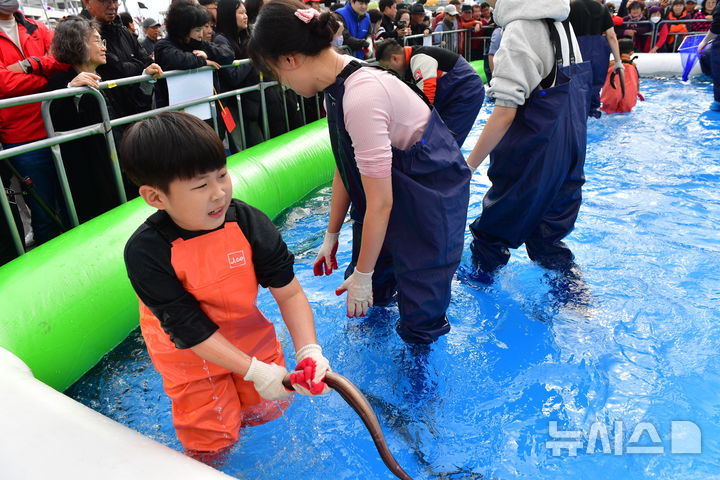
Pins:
<point x="678" y="36"/>
<point x="458" y="41"/>
<point x="105" y="127"/>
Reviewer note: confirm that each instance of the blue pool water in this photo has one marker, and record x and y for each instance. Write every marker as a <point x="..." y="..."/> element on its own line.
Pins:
<point x="616" y="356"/>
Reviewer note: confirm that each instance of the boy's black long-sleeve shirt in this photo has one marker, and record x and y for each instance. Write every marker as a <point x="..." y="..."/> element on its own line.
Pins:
<point x="149" y="267"/>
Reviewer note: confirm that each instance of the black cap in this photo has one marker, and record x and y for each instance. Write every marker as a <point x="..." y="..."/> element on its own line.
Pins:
<point x="417" y="8"/>
<point x="466" y="8"/>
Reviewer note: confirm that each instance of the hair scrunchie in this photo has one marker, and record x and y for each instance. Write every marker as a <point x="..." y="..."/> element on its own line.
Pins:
<point x="306" y="14"/>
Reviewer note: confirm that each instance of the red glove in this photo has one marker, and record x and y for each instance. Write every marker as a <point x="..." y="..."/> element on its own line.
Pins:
<point x="307" y="379"/>
<point x="326" y="259"/>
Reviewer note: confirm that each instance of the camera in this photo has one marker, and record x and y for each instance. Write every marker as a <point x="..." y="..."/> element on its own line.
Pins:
<point x="401" y="24"/>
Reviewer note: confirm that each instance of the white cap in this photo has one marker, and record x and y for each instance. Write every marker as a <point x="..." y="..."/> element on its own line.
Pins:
<point x="451" y="10"/>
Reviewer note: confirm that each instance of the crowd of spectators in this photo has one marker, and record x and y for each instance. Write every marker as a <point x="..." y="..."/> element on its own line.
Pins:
<point x="101" y="44"/>
<point x="660" y="25"/>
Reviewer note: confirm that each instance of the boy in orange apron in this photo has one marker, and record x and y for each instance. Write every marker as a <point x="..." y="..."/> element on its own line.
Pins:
<point x="195" y="265"/>
<point x="621" y="99"/>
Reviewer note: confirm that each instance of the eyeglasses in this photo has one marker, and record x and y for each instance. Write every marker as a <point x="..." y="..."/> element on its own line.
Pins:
<point x="101" y="43"/>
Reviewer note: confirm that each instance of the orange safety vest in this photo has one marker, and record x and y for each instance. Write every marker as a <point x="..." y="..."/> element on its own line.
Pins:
<point x="612" y="99"/>
<point x="209" y="402"/>
<point x="677" y="28"/>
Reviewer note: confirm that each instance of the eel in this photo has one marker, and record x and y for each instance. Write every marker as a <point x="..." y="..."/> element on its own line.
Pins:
<point x="621" y="74"/>
<point x="355" y="398"/>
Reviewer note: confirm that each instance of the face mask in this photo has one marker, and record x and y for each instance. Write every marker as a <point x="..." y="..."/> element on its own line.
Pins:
<point x="9" y="6"/>
<point x="337" y="42"/>
<point x="655" y="19"/>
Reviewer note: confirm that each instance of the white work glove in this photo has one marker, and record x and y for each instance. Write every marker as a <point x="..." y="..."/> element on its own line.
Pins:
<point x="267" y="378"/>
<point x="307" y="379"/>
<point x="359" y="293"/>
<point x="326" y="261"/>
<point x="619" y="65"/>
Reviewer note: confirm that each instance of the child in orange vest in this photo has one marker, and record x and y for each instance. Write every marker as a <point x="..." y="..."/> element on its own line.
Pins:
<point x="613" y="98"/>
<point x="195" y="265"/>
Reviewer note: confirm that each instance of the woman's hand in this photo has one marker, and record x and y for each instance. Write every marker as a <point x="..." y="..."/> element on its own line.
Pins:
<point x="359" y="293"/>
<point x="154" y="70"/>
<point x="309" y="373"/>
<point x="200" y="53"/>
<point x="85" y="79"/>
<point x="215" y="65"/>
<point x="326" y="260"/>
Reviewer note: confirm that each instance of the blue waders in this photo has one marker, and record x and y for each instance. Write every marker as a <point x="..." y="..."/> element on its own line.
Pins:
<point x="715" y="67"/>
<point x="459" y="97"/>
<point x="537" y="171"/>
<point x="424" y="240"/>
<point x="595" y="50"/>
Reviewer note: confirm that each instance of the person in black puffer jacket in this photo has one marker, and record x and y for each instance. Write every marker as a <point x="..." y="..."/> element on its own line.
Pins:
<point x="183" y="49"/>
<point x="232" y="30"/>
<point x="125" y="58"/>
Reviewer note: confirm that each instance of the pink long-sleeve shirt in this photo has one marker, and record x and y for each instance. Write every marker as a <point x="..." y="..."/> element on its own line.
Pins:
<point x="381" y="112"/>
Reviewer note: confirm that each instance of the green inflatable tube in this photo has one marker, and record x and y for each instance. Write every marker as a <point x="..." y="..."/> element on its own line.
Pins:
<point x="479" y="66"/>
<point x="68" y="302"/>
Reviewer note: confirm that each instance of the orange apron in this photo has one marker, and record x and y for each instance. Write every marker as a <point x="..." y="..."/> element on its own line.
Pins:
<point x="612" y="99"/>
<point x="210" y="403"/>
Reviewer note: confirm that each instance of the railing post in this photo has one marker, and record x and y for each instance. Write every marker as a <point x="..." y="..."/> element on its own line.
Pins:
<point x="213" y="115"/>
<point x="302" y="110"/>
<point x="59" y="164"/>
<point x="112" y="148"/>
<point x="263" y="109"/>
<point x="241" y="120"/>
<point x="283" y="99"/>
<point x="5" y="204"/>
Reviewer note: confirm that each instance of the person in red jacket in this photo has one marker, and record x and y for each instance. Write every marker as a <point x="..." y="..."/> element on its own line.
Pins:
<point x="25" y="66"/>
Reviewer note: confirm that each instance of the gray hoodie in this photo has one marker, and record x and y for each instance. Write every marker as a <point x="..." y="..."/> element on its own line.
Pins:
<point x="526" y="55"/>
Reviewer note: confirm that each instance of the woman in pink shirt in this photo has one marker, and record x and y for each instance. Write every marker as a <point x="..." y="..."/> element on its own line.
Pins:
<point x="399" y="171"/>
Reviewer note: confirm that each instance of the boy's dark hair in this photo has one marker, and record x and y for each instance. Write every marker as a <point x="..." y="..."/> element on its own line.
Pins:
<point x="639" y="5"/>
<point x="484" y="5"/>
<point x="278" y="31"/>
<point x="375" y="15"/>
<point x="384" y="49"/>
<point x="626" y="45"/>
<point x="383" y="4"/>
<point x="205" y="3"/>
<point x="183" y="17"/>
<point x="170" y="146"/>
